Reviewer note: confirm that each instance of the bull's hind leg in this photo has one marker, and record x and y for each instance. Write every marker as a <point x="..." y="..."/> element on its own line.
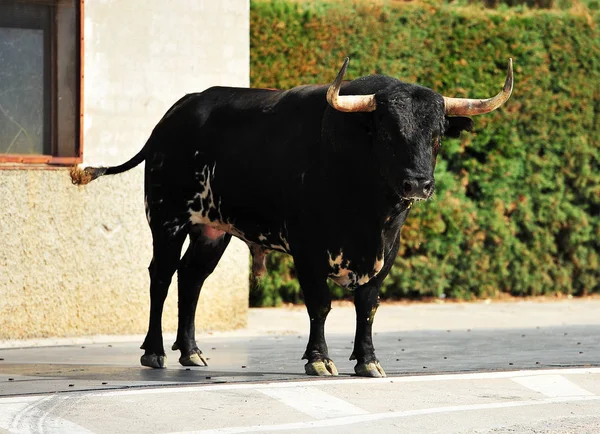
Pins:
<point x="167" y="250"/>
<point x="318" y="304"/>
<point x="207" y="245"/>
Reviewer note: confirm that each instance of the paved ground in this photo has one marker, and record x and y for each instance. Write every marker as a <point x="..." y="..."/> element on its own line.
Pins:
<point x="476" y="368"/>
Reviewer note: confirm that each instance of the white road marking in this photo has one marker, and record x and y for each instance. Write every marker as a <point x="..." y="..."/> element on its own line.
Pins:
<point x="33" y="414"/>
<point x="552" y="385"/>
<point x="313" y="402"/>
<point x="350" y="420"/>
<point x="341" y="381"/>
<point x="36" y="414"/>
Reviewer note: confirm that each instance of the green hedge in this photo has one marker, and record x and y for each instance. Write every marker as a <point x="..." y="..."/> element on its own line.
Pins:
<point x="517" y="207"/>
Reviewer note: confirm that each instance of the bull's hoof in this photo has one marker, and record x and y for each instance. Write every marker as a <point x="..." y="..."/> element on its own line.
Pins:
<point x="321" y="368"/>
<point x="372" y="369"/>
<point x="154" y="361"/>
<point x="195" y="358"/>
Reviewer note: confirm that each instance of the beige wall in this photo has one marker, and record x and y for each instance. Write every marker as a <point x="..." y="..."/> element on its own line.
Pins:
<point x="73" y="260"/>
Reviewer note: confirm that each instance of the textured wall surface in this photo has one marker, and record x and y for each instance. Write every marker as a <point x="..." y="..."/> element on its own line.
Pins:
<point x="73" y="260"/>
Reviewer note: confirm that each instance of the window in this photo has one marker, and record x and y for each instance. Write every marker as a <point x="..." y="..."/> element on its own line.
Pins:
<point x="40" y="77"/>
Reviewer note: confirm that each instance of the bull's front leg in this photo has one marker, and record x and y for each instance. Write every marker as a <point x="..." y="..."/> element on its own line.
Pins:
<point x="318" y="304"/>
<point x="366" y="302"/>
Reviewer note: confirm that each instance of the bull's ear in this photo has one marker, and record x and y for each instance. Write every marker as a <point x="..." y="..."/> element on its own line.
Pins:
<point x="456" y="124"/>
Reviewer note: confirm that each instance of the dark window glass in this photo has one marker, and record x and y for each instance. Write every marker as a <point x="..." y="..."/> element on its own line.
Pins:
<point x="39" y="77"/>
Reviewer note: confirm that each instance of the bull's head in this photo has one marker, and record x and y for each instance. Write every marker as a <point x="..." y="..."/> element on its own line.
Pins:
<point x="409" y="122"/>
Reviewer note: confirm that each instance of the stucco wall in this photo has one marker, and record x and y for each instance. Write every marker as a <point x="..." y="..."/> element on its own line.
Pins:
<point x="73" y="260"/>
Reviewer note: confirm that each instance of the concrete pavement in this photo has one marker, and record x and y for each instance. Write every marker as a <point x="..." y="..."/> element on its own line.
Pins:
<point x="473" y="367"/>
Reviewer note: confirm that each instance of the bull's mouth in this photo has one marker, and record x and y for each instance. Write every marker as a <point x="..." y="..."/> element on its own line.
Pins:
<point x="417" y="198"/>
<point x="414" y="198"/>
<point x="410" y="199"/>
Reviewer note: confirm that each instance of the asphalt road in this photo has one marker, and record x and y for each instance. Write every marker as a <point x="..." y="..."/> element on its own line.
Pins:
<point x="464" y="368"/>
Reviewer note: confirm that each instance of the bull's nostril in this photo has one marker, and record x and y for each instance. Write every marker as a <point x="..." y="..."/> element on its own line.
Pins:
<point x="427" y="187"/>
<point x="407" y="187"/>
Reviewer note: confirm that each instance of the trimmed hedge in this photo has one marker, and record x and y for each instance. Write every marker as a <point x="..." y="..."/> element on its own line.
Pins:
<point x="517" y="207"/>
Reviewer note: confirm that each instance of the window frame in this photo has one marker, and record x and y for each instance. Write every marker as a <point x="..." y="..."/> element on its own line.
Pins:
<point x="37" y="161"/>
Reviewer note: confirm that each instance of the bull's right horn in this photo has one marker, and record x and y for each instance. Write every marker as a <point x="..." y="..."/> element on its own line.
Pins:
<point x="469" y="107"/>
<point x="348" y="103"/>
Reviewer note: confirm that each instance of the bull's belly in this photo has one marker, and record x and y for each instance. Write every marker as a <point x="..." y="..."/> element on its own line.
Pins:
<point x="205" y="208"/>
<point x="271" y="239"/>
<point x="341" y="269"/>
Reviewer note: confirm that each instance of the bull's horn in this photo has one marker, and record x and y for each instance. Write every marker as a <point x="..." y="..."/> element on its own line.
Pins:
<point x="348" y="103"/>
<point x="469" y="107"/>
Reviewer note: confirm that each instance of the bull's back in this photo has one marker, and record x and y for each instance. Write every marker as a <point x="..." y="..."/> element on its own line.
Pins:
<point x="261" y="122"/>
<point x="256" y="145"/>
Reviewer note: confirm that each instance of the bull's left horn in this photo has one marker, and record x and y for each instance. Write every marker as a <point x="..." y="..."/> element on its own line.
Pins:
<point x="469" y="107"/>
<point x="348" y="103"/>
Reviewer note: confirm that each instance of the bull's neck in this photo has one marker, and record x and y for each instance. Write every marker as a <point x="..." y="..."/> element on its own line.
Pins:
<point x="353" y="179"/>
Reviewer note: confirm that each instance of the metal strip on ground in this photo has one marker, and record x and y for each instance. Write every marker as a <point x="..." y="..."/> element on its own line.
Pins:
<point x="319" y="382"/>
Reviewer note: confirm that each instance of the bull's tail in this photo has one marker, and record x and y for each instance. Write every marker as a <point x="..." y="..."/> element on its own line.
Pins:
<point x="84" y="176"/>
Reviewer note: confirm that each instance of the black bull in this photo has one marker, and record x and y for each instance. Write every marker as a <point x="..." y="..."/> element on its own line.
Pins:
<point x="324" y="177"/>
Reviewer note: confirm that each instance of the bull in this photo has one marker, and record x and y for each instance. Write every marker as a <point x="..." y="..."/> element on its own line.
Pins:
<point x="326" y="174"/>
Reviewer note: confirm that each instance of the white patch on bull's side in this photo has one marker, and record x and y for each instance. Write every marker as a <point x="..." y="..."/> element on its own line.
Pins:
<point x="285" y="243"/>
<point x="378" y="266"/>
<point x="343" y="275"/>
<point x="173" y="226"/>
<point x="269" y="241"/>
<point x="147" y="209"/>
<point x="363" y="279"/>
<point x="206" y="199"/>
<point x="337" y="261"/>
<point x="175" y="230"/>
<point x="283" y="237"/>
<point x="205" y="194"/>
<point x="339" y="273"/>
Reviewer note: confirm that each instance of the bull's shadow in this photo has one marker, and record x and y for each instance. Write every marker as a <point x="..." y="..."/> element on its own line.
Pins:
<point x="260" y="359"/>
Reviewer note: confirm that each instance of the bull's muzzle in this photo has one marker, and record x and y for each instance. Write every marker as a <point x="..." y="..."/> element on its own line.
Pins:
<point x="417" y="188"/>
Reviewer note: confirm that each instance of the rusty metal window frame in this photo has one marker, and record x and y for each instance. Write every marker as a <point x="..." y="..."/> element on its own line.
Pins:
<point x="64" y="132"/>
